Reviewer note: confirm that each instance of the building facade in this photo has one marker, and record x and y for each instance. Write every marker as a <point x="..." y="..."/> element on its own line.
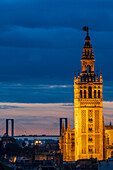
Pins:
<point x="109" y="140"/>
<point x="67" y="143"/>
<point x="88" y="133"/>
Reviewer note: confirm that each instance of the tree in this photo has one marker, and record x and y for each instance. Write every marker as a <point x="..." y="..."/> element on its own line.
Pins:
<point x="12" y="149"/>
<point x="2" y="150"/>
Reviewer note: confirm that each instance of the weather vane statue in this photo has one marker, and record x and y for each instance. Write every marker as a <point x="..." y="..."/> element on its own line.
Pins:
<point x="85" y="29"/>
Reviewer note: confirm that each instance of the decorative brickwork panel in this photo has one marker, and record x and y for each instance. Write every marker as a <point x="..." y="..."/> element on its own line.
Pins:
<point x="96" y="121"/>
<point x="97" y="144"/>
<point x="84" y="144"/>
<point x="88" y="103"/>
<point x="83" y="121"/>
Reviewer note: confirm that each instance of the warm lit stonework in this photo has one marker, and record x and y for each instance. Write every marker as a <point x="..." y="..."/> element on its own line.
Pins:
<point x="67" y="143"/>
<point x="88" y="108"/>
<point x="87" y="139"/>
<point x="109" y="140"/>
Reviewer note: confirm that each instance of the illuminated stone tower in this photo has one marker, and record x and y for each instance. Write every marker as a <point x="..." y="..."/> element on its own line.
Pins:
<point x="88" y="107"/>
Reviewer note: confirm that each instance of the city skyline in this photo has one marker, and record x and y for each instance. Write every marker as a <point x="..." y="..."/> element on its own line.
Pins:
<point x="43" y="115"/>
<point x="41" y="46"/>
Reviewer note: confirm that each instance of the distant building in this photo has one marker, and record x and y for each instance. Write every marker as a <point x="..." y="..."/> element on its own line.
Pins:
<point x="5" y="139"/>
<point x="87" y="139"/>
<point x="48" y="151"/>
<point x="109" y="140"/>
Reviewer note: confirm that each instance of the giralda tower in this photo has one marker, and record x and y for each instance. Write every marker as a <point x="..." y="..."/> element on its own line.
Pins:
<point x="88" y="107"/>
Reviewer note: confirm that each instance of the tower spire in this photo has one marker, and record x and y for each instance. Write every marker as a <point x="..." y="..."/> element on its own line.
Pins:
<point x="86" y="139"/>
<point x="88" y="107"/>
<point x="87" y="60"/>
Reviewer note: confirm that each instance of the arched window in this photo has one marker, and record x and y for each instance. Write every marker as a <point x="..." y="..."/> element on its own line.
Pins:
<point x="98" y="93"/>
<point x="94" y="93"/>
<point x="90" y="139"/>
<point x="91" y="52"/>
<point x="107" y="139"/>
<point x="85" y="79"/>
<point x="80" y="93"/>
<point x="90" y="92"/>
<point x="90" y="150"/>
<point x="88" y="69"/>
<point x="90" y="120"/>
<point x="85" y="94"/>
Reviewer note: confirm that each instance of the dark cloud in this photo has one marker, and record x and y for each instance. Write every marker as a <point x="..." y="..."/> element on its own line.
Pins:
<point x="42" y="39"/>
<point x="57" y="13"/>
<point x="35" y="93"/>
<point x="8" y="107"/>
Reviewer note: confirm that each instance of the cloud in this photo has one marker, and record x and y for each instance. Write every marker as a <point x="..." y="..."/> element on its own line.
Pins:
<point x="57" y="13"/>
<point x="44" y="37"/>
<point x="54" y="52"/>
<point x="68" y="104"/>
<point x="39" y="37"/>
<point x="8" y="107"/>
<point x="60" y="86"/>
<point x="53" y="91"/>
<point x="40" y="48"/>
<point x="36" y="118"/>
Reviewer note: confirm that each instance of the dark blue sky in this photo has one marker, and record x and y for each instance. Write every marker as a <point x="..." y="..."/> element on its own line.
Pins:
<point x="41" y="44"/>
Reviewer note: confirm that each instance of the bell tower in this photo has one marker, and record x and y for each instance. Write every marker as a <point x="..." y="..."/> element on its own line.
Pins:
<point x="88" y="107"/>
<point x="87" y="61"/>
